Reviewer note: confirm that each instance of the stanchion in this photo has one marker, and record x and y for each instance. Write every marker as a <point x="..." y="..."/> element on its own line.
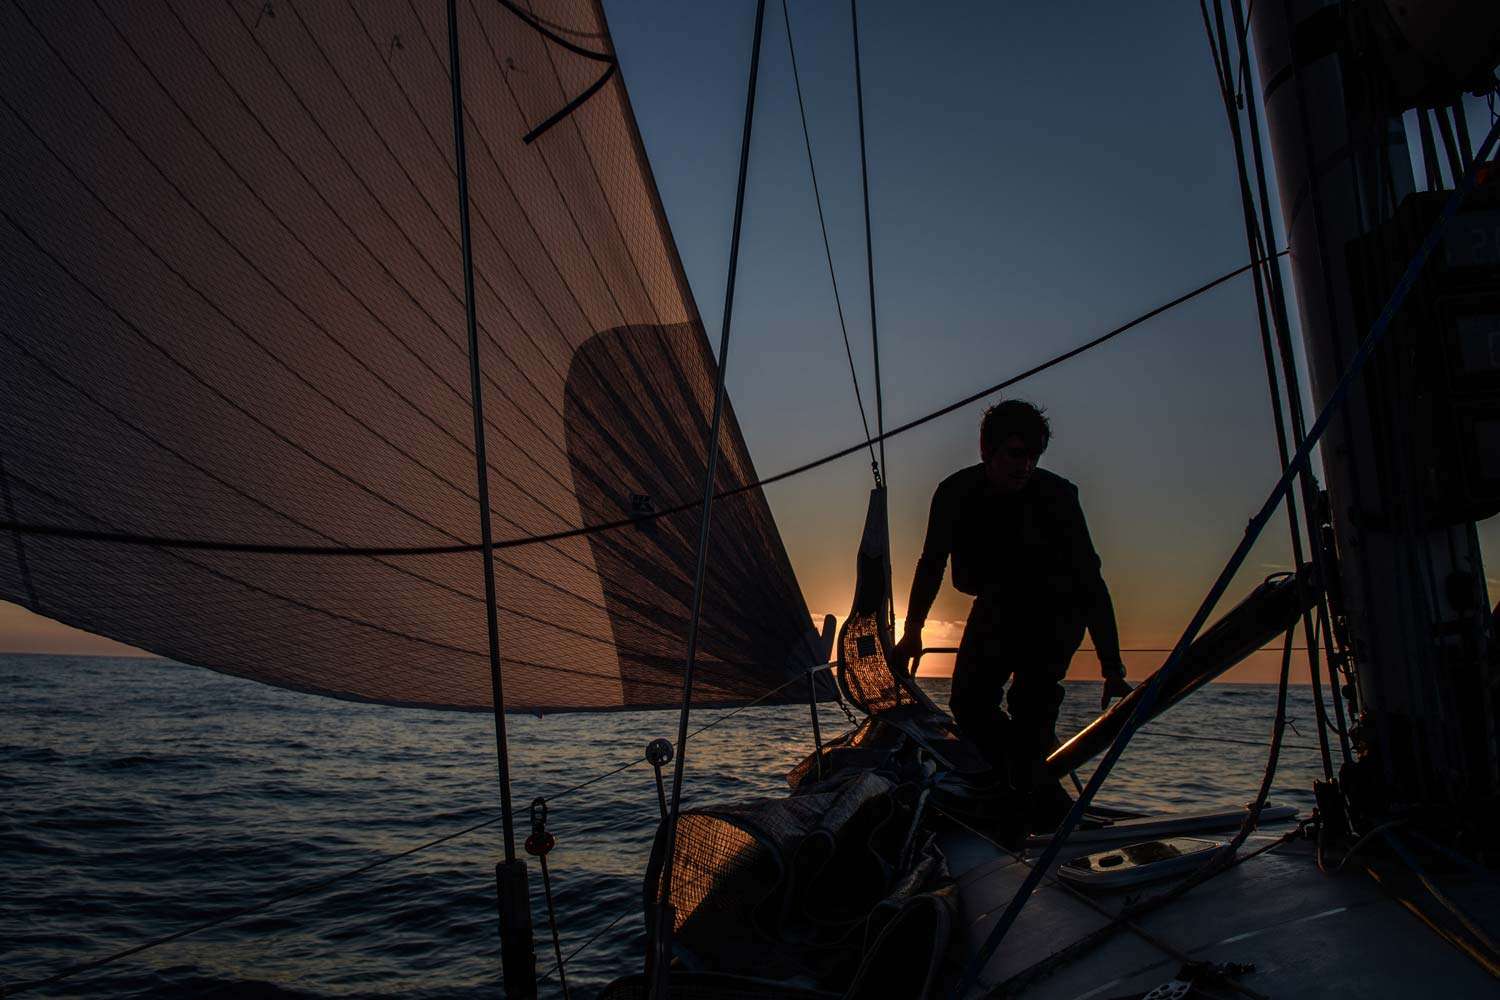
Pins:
<point x="659" y="755"/>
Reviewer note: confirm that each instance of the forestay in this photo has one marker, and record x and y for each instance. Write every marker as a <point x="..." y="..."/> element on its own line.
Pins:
<point x="232" y="309"/>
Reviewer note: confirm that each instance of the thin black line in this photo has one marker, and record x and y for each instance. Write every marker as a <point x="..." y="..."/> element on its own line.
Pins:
<point x="744" y="464"/>
<point x="536" y="25"/>
<point x="570" y="107"/>
<point x="437" y="147"/>
<point x="360" y="622"/>
<point x="1151" y="690"/>
<point x="306" y="888"/>
<point x="202" y="380"/>
<point x="838" y="304"/>
<point x="378" y="259"/>
<point x="707" y="505"/>
<point x="864" y="174"/>
<point x="60" y="531"/>
<point x="267" y="903"/>
<point x="541" y="504"/>
<point x="508" y="935"/>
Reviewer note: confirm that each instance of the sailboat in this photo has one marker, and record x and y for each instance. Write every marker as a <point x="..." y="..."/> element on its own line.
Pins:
<point x="347" y="349"/>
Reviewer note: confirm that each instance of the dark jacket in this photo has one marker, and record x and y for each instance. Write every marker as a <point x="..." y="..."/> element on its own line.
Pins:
<point x="1027" y="553"/>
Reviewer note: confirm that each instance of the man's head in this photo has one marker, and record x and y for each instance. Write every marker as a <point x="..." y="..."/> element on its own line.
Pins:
<point x="1012" y="436"/>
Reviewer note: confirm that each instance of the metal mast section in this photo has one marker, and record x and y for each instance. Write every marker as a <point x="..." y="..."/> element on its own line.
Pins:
<point x="1413" y="614"/>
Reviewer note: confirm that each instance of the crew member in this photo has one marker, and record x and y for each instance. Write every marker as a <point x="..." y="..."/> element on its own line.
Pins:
<point x="1020" y="546"/>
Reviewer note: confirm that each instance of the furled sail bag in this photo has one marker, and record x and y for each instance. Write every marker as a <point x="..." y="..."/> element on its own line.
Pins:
<point x="804" y="888"/>
<point x="233" y="310"/>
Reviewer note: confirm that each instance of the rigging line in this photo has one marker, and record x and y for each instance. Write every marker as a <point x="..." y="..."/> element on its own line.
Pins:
<point x="827" y="250"/>
<point x="50" y="370"/>
<point x="422" y="120"/>
<point x="864" y="176"/>
<point x="211" y="303"/>
<point x="1222" y="859"/>
<point x="1221" y="72"/>
<point x="1486" y="960"/>
<point x="1152" y="688"/>
<point x="438" y="275"/>
<point x="401" y="165"/>
<point x="631" y="909"/>
<point x="163" y="541"/>
<point x="647" y="297"/>
<point x="1244" y="67"/>
<point x="376" y="258"/>
<point x="224" y="918"/>
<point x="310" y="887"/>
<point x="1253" y="239"/>
<point x="671" y="258"/>
<point x="571" y="106"/>
<point x="1492" y="964"/>
<point x="481" y="454"/>
<point x="1116" y="919"/>
<point x="1176" y="734"/>
<point x="1325" y="273"/>
<point x="1430" y="168"/>
<point x="705" y="519"/>
<point x="1224" y="856"/>
<point x="535" y="25"/>
<point x="1282" y="327"/>
<point x="696" y="732"/>
<point x="1456" y="165"/>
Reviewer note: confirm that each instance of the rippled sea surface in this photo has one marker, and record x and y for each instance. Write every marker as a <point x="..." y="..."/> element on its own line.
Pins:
<point x="141" y="797"/>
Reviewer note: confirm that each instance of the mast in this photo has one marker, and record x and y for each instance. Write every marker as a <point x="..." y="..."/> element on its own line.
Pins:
<point x="1414" y="615"/>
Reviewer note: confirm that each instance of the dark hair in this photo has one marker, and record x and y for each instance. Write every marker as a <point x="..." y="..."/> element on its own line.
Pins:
<point x="1018" y="417"/>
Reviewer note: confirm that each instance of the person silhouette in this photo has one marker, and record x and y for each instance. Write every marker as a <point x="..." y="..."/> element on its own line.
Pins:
<point x="1020" y="546"/>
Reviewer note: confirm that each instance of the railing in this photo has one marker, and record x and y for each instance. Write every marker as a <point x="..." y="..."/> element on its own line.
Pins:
<point x="915" y="660"/>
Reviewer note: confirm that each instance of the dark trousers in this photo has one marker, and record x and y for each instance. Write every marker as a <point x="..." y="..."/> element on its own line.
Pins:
<point x="1030" y="647"/>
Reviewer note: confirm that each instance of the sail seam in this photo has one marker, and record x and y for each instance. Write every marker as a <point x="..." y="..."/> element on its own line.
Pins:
<point x="328" y="466"/>
<point x="376" y="258"/>
<point x="396" y="633"/>
<point x="479" y="210"/>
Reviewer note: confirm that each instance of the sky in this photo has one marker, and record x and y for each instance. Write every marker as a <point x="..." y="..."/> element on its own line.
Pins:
<point x="1039" y="173"/>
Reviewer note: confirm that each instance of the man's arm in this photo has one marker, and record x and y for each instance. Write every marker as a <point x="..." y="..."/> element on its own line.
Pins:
<point x="928" y="579"/>
<point x="1105" y="633"/>
<point x="1101" y="614"/>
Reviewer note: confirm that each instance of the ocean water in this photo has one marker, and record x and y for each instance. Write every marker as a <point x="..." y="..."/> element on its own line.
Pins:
<point x="139" y="797"/>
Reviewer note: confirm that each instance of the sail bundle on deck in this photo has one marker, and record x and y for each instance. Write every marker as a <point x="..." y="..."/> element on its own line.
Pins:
<point x="233" y="310"/>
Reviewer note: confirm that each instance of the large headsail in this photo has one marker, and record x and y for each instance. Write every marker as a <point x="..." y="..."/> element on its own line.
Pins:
<point x="233" y="310"/>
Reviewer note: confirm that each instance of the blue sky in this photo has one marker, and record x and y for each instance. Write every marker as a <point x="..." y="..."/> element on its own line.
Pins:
<point x="1039" y="172"/>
